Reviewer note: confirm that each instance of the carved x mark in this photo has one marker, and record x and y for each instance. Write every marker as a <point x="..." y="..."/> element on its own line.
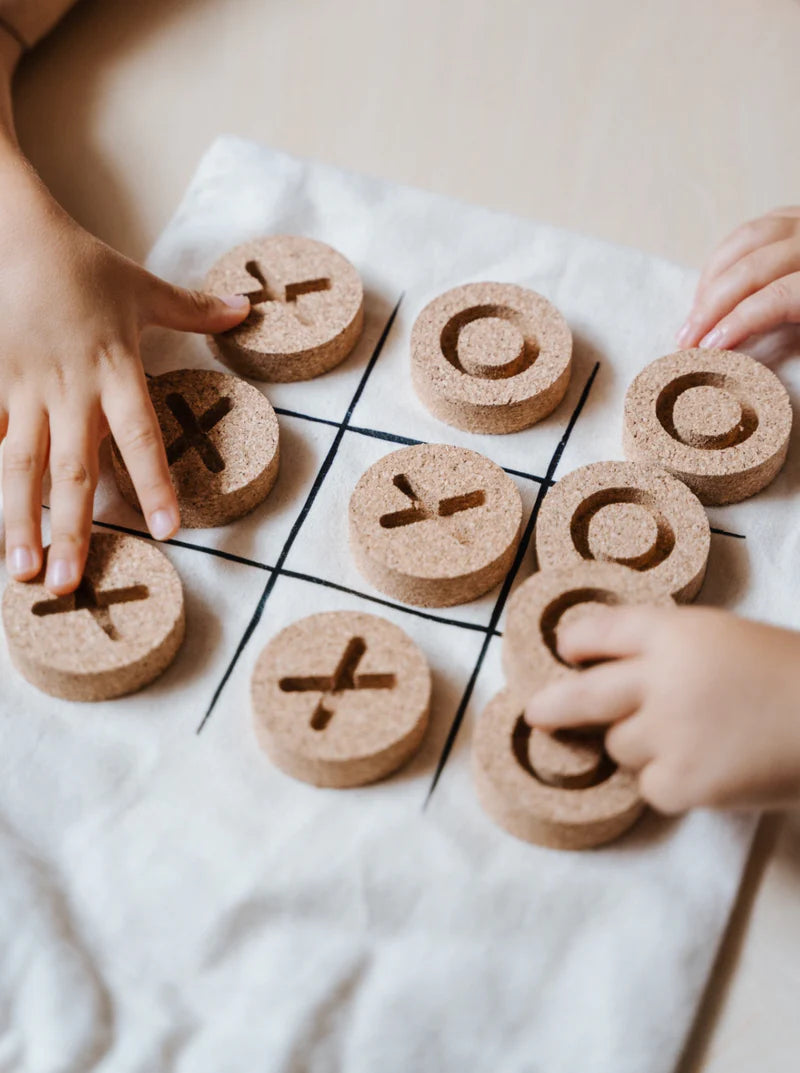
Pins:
<point x="343" y="679"/>
<point x="291" y="292"/>
<point x="421" y="509"/>
<point x="97" y="602"/>
<point x="195" y="431"/>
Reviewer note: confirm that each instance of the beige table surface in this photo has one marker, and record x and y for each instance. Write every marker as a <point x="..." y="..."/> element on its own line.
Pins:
<point x="659" y="125"/>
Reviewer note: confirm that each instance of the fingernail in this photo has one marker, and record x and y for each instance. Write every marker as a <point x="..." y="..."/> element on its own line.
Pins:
<point x="59" y="573"/>
<point x="20" y="561"/>
<point x="684" y="333"/>
<point x="235" y="301"/>
<point x="163" y="523"/>
<point x="714" y="338"/>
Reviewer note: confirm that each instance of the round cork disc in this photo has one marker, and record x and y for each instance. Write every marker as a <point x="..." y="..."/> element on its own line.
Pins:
<point x="490" y="357"/>
<point x="512" y="767"/>
<point x="630" y="513"/>
<point x="539" y="606"/>
<point x="221" y="436"/>
<point x="114" y="635"/>
<point x="307" y="308"/>
<point x="717" y="419"/>
<point x="341" y="698"/>
<point x="435" y="525"/>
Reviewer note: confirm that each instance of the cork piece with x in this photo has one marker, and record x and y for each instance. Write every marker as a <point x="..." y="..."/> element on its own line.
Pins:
<point x="341" y="699"/>
<point x="435" y="525"/>
<point x="117" y="633"/>
<point x="221" y="438"/>
<point x="307" y="308"/>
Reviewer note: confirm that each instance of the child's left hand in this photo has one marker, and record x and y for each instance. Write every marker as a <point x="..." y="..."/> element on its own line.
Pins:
<point x="704" y="705"/>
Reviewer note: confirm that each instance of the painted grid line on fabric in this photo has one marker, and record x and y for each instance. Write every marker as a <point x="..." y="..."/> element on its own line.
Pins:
<point x="500" y="603"/>
<point x="327" y="462"/>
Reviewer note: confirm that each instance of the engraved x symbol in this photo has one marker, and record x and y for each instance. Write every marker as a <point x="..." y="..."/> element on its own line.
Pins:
<point x="87" y="598"/>
<point x="291" y="292"/>
<point x="195" y="431"/>
<point x="422" y="509"/>
<point x="344" y="678"/>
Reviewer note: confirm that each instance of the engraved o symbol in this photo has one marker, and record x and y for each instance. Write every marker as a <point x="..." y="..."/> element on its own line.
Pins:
<point x="491" y="342"/>
<point x="705" y="410"/>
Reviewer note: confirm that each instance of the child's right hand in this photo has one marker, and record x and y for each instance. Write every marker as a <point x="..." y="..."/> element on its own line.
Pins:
<point x="751" y="283"/>
<point x="71" y="312"/>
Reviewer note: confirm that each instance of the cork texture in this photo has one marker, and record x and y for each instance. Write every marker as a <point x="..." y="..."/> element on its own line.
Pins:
<point x="118" y="632"/>
<point x="630" y="513"/>
<point x="718" y="420"/>
<point x="341" y="699"/>
<point x="307" y="308"/>
<point x="562" y="794"/>
<point x="435" y="525"/>
<point x="490" y="357"/>
<point x="541" y="604"/>
<point x="221" y="437"/>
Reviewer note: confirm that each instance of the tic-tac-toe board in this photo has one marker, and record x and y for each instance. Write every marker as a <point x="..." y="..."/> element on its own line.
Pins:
<point x="195" y="909"/>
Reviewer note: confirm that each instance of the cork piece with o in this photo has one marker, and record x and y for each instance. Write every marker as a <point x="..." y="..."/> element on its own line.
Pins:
<point x="555" y="789"/>
<point x="718" y="420"/>
<point x="307" y="308"/>
<point x="564" y="794"/>
<point x="341" y="699"/>
<point x="630" y="513"/>
<point x="491" y="357"/>
<point x="435" y="525"/>
<point x="117" y="633"/>
<point x="221" y="438"/>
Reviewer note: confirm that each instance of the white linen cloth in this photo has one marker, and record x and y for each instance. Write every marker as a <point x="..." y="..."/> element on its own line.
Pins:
<point x="170" y="901"/>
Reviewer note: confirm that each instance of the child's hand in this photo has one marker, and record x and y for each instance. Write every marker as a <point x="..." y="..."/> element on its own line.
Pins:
<point x="706" y="706"/>
<point x="751" y="284"/>
<point x="71" y="311"/>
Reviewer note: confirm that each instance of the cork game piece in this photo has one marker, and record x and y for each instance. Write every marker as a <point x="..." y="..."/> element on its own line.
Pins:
<point x="541" y="604"/>
<point x="341" y="698"/>
<point x="630" y="513"/>
<point x="307" y="308"/>
<point x="565" y="794"/>
<point x="221" y="436"/>
<point x="717" y="419"/>
<point x="490" y="357"/>
<point x="434" y="525"/>
<point x="120" y="630"/>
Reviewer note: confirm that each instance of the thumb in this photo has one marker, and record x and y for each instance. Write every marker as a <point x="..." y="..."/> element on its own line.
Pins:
<point x="195" y="311"/>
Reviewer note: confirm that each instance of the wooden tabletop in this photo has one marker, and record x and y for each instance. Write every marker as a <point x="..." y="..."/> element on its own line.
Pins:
<point x="660" y="126"/>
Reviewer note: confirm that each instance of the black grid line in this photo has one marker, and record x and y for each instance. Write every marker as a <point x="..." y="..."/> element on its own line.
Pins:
<point x="489" y="630"/>
<point x="500" y="603"/>
<point x="728" y="533"/>
<point x="302" y="515"/>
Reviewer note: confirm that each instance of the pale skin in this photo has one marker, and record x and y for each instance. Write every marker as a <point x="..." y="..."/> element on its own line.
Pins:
<point x="71" y="314"/>
<point x="701" y="704"/>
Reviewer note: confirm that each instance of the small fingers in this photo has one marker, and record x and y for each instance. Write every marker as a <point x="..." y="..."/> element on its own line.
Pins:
<point x="193" y="311"/>
<point x="745" y="277"/>
<point x="627" y="743"/>
<point x="777" y="303"/>
<point x="24" y="460"/>
<point x="663" y="788"/>
<point x="608" y="632"/>
<point x="595" y="696"/>
<point x="74" y="439"/>
<point x="746" y="238"/>
<point x="136" y="431"/>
